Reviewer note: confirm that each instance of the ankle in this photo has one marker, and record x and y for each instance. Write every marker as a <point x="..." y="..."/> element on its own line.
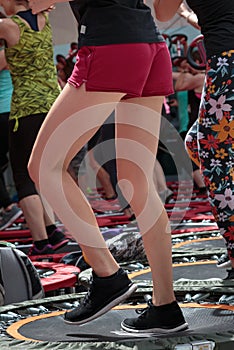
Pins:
<point x="165" y="306"/>
<point x="107" y="274"/>
<point x="163" y="302"/>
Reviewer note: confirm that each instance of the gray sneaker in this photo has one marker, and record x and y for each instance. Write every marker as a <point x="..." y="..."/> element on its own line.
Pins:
<point x="9" y="216"/>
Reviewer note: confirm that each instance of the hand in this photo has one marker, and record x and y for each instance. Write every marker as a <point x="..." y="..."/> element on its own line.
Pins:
<point x="173" y="103"/>
<point x="51" y="8"/>
<point x="183" y="11"/>
<point x="40" y="5"/>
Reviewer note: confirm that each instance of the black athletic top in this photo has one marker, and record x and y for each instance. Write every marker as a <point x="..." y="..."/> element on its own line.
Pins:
<point x="216" y="18"/>
<point x="30" y="18"/>
<point x="103" y="22"/>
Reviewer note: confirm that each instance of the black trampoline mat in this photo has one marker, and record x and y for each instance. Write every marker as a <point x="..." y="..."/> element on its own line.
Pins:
<point x="194" y="271"/>
<point x="204" y="244"/>
<point x="191" y="271"/>
<point x="203" y="321"/>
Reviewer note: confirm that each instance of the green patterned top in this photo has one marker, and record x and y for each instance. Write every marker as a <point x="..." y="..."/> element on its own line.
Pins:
<point x="33" y="71"/>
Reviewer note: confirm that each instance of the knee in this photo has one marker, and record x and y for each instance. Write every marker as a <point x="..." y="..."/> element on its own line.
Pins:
<point x="38" y="170"/>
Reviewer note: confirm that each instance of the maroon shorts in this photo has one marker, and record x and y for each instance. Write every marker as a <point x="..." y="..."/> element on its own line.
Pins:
<point x="134" y="69"/>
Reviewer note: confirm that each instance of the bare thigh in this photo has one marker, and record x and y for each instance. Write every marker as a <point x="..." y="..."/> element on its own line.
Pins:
<point x="139" y="119"/>
<point x="73" y="119"/>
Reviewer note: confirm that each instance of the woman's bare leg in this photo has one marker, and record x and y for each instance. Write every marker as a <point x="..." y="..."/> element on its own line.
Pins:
<point x="136" y="147"/>
<point x="67" y="128"/>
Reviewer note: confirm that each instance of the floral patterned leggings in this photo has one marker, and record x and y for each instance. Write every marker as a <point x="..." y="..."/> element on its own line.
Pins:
<point x="210" y="142"/>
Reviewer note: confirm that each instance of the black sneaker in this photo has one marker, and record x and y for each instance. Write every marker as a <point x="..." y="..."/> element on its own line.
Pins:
<point x="57" y="239"/>
<point x="47" y="250"/>
<point x="104" y="293"/>
<point x="224" y="261"/>
<point x="157" y="319"/>
<point x="230" y="275"/>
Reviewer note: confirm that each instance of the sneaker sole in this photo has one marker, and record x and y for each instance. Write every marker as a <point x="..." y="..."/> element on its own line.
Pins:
<point x="224" y="265"/>
<point x="12" y="220"/>
<point x="182" y="327"/>
<point x="132" y="289"/>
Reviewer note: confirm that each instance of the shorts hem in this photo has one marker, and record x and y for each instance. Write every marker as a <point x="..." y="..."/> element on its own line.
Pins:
<point x="158" y="93"/>
<point x="110" y="89"/>
<point x="76" y="85"/>
<point x="129" y="94"/>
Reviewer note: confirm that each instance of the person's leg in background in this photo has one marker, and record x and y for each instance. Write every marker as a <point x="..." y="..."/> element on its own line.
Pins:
<point x="198" y="180"/>
<point x="216" y="139"/>
<point x="107" y="146"/>
<point x="4" y="140"/>
<point x="191" y="146"/>
<point x="46" y="237"/>
<point x="77" y="169"/>
<point x="215" y="159"/>
<point x="10" y="211"/>
<point x="160" y="183"/>
<point x="102" y="175"/>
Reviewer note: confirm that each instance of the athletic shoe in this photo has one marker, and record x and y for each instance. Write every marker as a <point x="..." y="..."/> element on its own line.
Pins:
<point x="57" y="239"/>
<point x="157" y="319"/>
<point x="104" y="293"/>
<point x="230" y="275"/>
<point x="47" y="250"/>
<point x="9" y="216"/>
<point x="224" y="261"/>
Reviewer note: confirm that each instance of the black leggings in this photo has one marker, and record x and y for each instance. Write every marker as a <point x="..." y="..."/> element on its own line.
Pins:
<point x="21" y="144"/>
<point x="4" y="148"/>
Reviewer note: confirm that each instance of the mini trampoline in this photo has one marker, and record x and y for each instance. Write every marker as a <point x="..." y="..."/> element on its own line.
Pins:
<point x="206" y="298"/>
<point x="209" y="325"/>
<point x="55" y="276"/>
<point x="207" y="243"/>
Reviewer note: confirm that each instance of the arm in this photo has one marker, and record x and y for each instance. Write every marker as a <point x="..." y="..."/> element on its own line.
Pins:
<point x="188" y="81"/>
<point x="189" y="15"/>
<point x="42" y="5"/>
<point x="166" y="9"/>
<point x="3" y="62"/>
<point x="6" y="29"/>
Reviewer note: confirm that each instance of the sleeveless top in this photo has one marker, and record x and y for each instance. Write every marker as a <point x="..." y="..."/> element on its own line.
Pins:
<point x="30" y="61"/>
